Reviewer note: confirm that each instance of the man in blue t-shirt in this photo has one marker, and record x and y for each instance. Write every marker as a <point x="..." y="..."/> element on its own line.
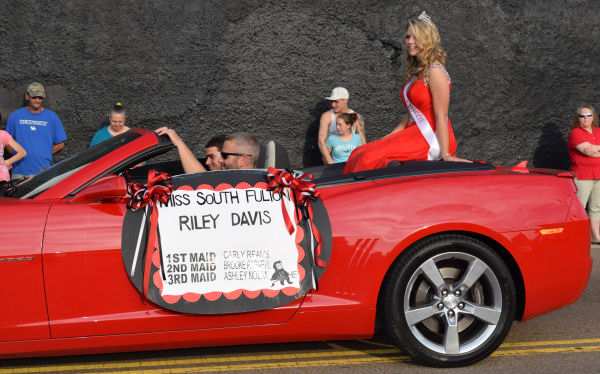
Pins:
<point x="38" y="130"/>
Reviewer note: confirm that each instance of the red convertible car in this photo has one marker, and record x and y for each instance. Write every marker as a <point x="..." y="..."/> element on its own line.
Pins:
<point x="442" y="256"/>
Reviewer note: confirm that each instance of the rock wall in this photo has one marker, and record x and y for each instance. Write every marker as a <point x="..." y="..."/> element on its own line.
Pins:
<point x="205" y="67"/>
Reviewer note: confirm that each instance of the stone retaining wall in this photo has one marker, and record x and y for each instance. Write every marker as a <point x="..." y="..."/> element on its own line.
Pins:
<point x="518" y="68"/>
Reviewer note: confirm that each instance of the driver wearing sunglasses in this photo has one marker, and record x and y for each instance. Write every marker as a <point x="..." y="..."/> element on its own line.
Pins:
<point x="239" y="151"/>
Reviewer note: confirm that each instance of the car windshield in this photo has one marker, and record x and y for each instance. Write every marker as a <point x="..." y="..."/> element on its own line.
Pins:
<point x="49" y="177"/>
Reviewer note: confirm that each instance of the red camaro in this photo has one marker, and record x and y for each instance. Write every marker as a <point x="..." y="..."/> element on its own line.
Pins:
<point x="444" y="256"/>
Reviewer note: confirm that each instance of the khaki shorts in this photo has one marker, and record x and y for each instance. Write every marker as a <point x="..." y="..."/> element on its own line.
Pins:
<point x="588" y="192"/>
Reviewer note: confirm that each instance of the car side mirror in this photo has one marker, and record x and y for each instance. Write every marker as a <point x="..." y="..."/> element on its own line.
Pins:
<point x="108" y="189"/>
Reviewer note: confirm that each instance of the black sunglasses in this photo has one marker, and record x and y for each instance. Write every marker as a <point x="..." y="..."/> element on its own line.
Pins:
<point x="227" y="154"/>
<point x="585" y="115"/>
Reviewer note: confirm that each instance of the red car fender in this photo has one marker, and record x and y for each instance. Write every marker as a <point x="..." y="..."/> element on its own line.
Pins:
<point x="399" y="215"/>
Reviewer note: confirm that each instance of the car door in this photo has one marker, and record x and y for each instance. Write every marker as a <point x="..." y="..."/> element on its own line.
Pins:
<point x="23" y="313"/>
<point x="88" y="290"/>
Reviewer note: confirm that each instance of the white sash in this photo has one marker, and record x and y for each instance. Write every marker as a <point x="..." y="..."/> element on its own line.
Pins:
<point x="424" y="126"/>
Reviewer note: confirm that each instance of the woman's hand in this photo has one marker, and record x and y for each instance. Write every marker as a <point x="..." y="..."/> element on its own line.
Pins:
<point x="449" y="157"/>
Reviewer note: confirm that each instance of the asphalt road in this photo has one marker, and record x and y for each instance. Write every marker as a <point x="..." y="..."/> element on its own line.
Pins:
<point x="563" y="341"/>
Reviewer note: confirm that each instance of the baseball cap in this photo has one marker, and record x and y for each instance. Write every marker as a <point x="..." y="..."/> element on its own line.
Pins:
<point x="338" y="93"/>
<point x="36" y="89"/>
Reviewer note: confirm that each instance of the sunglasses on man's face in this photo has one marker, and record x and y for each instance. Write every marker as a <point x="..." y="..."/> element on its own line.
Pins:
<point x="585" y="115"/>
<point x="227" y="154"/>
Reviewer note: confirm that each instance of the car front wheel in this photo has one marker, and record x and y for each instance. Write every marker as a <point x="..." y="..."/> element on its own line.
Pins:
<point x="449" y="301"/>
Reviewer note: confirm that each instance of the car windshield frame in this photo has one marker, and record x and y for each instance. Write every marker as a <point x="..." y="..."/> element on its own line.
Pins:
<point x="31" y="187"/>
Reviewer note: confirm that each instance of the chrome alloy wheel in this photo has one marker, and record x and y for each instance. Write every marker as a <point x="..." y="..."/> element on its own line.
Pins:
<point x="453" y="303"/>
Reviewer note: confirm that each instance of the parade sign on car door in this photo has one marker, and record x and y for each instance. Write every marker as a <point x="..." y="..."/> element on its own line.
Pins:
<point x="228" y="242"/>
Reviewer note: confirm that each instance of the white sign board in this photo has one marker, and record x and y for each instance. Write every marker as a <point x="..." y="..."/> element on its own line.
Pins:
<point x="227" y="240"/>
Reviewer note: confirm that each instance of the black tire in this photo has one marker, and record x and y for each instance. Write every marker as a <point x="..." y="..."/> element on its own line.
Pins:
<point x="438" y="326"/>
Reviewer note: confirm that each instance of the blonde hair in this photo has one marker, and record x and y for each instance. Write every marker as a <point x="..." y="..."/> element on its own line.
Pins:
<point x="430" y="48"/>
<point x="575" y="119"/>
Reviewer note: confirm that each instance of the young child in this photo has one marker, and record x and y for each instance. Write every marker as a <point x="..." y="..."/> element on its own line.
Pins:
<point x="7" y="140"/>
<point x="343" y="143"/>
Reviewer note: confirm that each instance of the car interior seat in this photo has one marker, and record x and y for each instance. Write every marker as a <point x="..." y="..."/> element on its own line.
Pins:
<point x="273" y="154"/>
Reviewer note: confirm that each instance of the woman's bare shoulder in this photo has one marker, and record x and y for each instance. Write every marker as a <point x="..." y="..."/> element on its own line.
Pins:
<point x="437" y="71"/>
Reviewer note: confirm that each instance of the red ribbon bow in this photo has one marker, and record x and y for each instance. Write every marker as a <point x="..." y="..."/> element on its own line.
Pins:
<point x="141" y="194"/>
<point x="302" y="187"/>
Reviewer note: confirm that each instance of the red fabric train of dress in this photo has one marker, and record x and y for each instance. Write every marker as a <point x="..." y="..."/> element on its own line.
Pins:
<point x="408" y="144"/>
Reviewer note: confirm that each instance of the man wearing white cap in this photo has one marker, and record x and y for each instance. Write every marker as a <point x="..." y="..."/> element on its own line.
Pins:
<point x="327" y="126"/>
<point x="38" y="130"/>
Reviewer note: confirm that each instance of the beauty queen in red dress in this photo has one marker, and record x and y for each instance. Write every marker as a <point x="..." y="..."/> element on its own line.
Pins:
<point x="407" y="144"/>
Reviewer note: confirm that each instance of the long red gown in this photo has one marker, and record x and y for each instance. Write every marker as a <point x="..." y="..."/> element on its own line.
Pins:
<point x="408" y="144"/>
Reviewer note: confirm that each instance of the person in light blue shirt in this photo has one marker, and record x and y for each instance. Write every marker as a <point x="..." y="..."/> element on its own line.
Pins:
<point x="328" y="122"/>
<point x="117" y="126"/>
<point x="39" y="131"/>
<point x="342" y="144"/>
